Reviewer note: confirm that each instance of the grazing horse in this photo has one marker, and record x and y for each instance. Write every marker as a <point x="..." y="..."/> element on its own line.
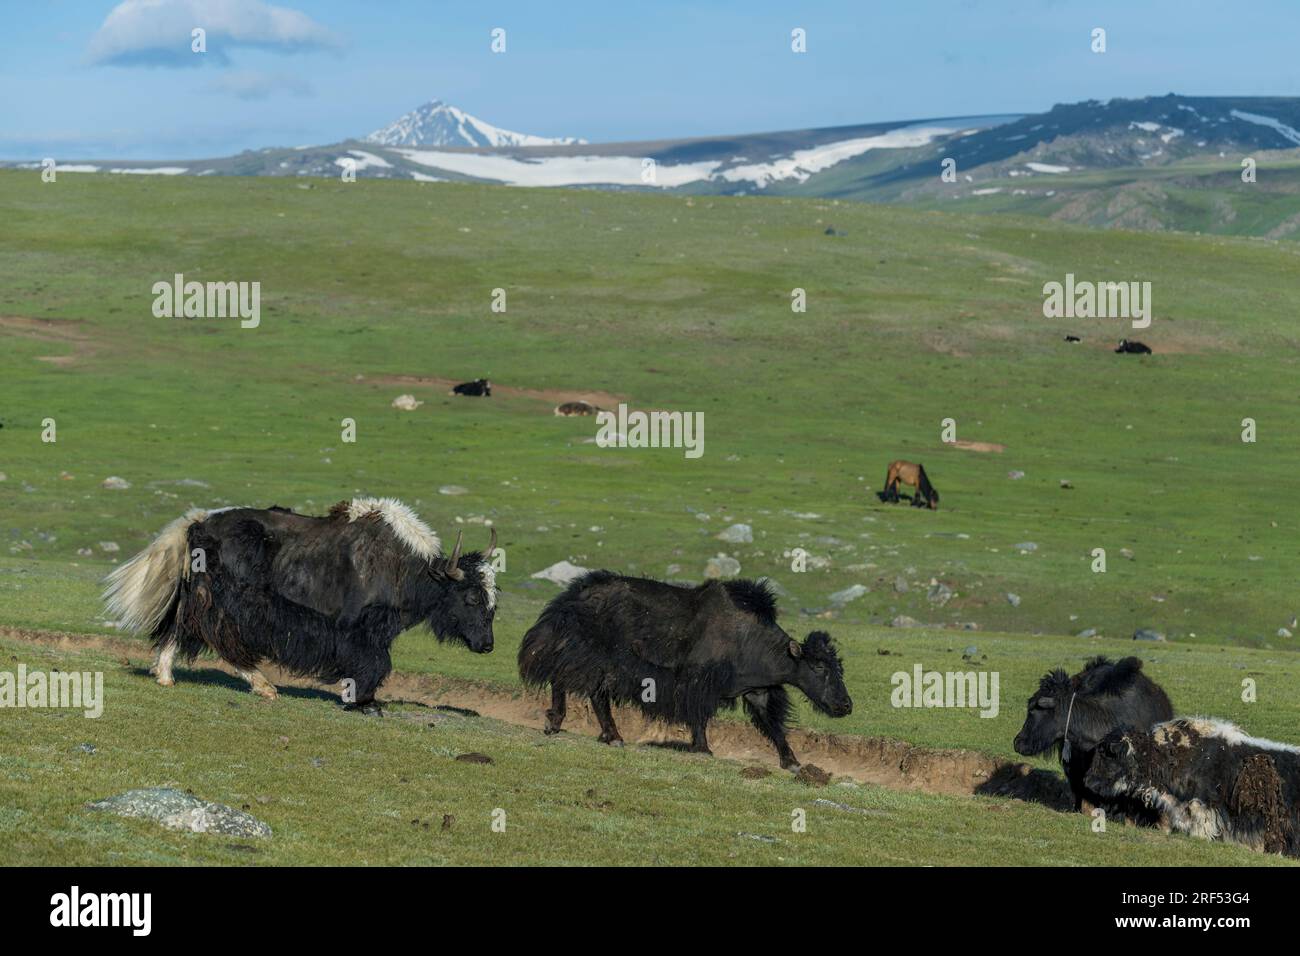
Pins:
<point x="910" y="473"/>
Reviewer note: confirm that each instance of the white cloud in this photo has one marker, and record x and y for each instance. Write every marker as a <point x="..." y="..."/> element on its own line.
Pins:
<point x="158" y="32"/>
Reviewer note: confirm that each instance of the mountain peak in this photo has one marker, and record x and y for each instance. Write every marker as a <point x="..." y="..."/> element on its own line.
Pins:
<point x="440" y="124"/>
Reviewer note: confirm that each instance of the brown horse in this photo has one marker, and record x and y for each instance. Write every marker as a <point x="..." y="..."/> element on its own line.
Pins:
<point x="910" y="473"/>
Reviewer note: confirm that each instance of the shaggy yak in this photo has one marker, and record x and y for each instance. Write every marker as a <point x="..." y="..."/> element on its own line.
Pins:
<point x="1132" y="348"/>
<point x="569" y="409"/>
<point x="480" y="387"/>
<point x="320" y="596"/>
<point x="678" y="653"/>
<point x="1208" y="779"/>
<point x="1075" y="713"/>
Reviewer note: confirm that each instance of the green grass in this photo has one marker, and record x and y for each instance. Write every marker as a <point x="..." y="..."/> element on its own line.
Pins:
<point x="668" y="302"/>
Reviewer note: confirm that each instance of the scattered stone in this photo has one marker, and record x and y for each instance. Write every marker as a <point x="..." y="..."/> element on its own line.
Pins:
<point x="737" y="534"/>
<point x="1066" y="483"/>
<point x="852" y="593"/>
<point x="109" y="547"/>
<point x="1147" y="634"/>
<point x="939" y="593"/>
<point x="1026" y="546"/>
<point x="87" y="748"/>
<point x="721" y="566"/>
<point x="1013" y="599"/>
<point x="903" y="620"/>
<point x="182" y="811"/>
<point x="1127" y="552"/>
<point x="3" y="476"/>
<point x="901" y="585"/>
<point x="473" y="758"/>
<point x="561" y="573"/>
<point x="823" y="802"/>
<point x="673" y="569"/>
<point x="755" y="773"/>
<point x="114" y="483"/>
<point x="453" y="490"/>
<point x="1087" y="632"/>
<point x="85" y="552"/>
<point x="1283" y="632"/>
<point x="756" y="836"/>
<point x="407" y="403"/>
<point x="1015" y="475"/>
<point x="971" y="651"/>
<point x="813" y="775"/>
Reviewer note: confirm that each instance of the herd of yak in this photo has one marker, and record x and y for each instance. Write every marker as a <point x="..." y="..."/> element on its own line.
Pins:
<point x="326" y="597"/>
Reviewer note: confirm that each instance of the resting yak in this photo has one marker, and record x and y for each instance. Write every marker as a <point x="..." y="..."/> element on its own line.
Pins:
<point x="480" y="388"/>
<point x="1132" y="348"/>
<point x="1075" y="713"/>
<point x="1208" y="779"/>
<point x="569" y="409"/>
<point x="319" y="596"/>
<point x="679" y="653"/>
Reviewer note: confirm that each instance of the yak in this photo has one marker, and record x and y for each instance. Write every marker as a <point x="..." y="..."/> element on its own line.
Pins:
<point x="679" y="653"/>
<point x="480" y="388"/>
<point x="1073" y="338"/>
<point x="1075" y="713"/>
<point x="569" y="409"/>
<point x="1208" y="779"/>
<point x="319" y="596"/>
<point x="1132" y="348"/>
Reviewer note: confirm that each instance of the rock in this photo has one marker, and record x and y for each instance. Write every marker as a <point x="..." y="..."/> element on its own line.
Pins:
<point x="561" y="573"/>
<point x="1127" y="552"/>
<point x="1087" y="632"/>
<point x="1026" y="546"/>
<point x="87" y="748"/>
<point x="737" y="534"/>
<point x="109" y="547"/>
<point x="114" y="483"/>
<point x="903" y="620"/>
<point x="1147" y="634"/>
<point x="939" y="593"/>
<point x="673" y="569"/>
<point x="1013" y="599"/>
<point x="182" y="811"/>
<point x="3" y="476"/>
<point x="971" y="651"/>
<point x="900" y="585"/>
<point x="453" y="490"/>
<point x="755" y="773"/>
<point x="1015" y="475"/>
<point x="721" y="566"/>
<point x="757" y="836"/>
<point x="473" y="758"/>
<point x="822" y="802"/>
<point x="85" y="552"/>
<point x="813" y="775"/>
<point x="1066" y="483"/>
<point x="1283" y="632"/>
<point x="852" y="593"/>
<point x="407" y="403"/>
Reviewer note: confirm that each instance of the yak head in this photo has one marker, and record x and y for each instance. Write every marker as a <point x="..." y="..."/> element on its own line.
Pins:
<point x="1048" y="711"/>
<point x="468" y="597"/>
<point x="1114" y="767"/>
<point x="819" y="673"/>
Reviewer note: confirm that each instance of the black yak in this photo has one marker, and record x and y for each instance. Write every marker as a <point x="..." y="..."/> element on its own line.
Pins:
<point x="319" y="596"/>
<point x="1075" y="713"/>
<point x="1208" y="779"/>
<point x="480" y="388"/>
<point x="1132" y="348"/>
<point x="1073" y="338"/>
<point x="679" y="653"/>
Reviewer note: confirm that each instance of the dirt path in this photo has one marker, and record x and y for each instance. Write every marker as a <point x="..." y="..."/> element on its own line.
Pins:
<point x="875" y="760"/>
<point x="61" y="331"/>
<point x="552" y="396"/>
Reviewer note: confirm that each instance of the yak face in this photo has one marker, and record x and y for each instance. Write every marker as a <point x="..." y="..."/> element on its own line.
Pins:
<point x="819" y="673"/>
<point x="1114" y="765"/>
<point x="1045" y="722"/>
<point x="467" y="600"/>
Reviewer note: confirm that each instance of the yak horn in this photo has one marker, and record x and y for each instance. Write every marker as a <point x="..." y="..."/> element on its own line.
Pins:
<point x="492" y="545"/>
<point x="453" y="571"/>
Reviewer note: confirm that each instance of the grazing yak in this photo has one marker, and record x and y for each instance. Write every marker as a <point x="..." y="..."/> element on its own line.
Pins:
<point x="320" y="596"/>
<point x="1073" y="338"/>
<point x="480" y="387"/>
<point x="568" y="409"/>
<point x="1132" y="348"/>
<point x="1075" y="713"/>
<point x="679" y="653"/>
<point x="1208" y="779"/>
<point x="909" y="473"/>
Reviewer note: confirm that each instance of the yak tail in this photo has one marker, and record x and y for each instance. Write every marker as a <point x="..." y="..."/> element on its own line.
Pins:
<point x="140" y="592"/>
<point x="923" y="485"/>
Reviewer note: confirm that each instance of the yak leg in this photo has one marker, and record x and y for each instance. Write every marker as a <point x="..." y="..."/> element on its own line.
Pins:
<point x="370" y="675"/>
<point x="258" y="682"/>
<point x="699" y="741"/>
<point x="555" y="716"/>
<point x="162" y="664"/>
<point x="608" y="732"/>
<point x="767" y="709"/>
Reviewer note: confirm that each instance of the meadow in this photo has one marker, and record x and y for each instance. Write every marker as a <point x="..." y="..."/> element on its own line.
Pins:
<point x="374" y="289"/>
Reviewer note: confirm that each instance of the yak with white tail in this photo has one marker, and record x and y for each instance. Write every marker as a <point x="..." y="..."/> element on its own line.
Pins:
<point x="321" y="597"/>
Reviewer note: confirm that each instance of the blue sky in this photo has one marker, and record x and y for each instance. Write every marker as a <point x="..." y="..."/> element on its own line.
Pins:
<point x="85" y="79"/>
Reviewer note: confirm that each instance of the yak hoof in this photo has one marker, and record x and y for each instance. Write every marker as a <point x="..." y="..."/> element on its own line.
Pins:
<point x="612" y="741"/>
<point x="166" y="681"/>
<point x="549" y="730"/>
<point x="370" y="708"/>
<point x="791" y="765"/>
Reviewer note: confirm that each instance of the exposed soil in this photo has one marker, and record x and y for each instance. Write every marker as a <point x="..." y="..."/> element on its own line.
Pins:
<point x="63" y="331"/>
<point x="552" y="396"/>
<point x="980" y="446"/>
<point x="874" y="760"/>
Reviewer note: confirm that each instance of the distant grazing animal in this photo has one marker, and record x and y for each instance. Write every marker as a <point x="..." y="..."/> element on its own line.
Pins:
<point x="912" y="474"/>
<point x="1074" y="713"/>
<point x="576" y="408"/>
<point x="679" y="653"/>
<point x="1073" y="338"/>
<point x="1208" y="779"/>
<point x="319" y="596"/>
<point x="1133" y="348"/>
<point x="480" y="387"/>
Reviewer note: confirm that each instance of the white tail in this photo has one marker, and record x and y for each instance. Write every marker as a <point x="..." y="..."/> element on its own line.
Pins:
<point x="140" y="591"/>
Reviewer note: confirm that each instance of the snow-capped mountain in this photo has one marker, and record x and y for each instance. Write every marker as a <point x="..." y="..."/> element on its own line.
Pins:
<point x="439" y="124"/>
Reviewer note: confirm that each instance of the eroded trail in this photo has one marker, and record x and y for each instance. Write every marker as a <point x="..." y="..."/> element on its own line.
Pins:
<point x="882" y="761"/>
